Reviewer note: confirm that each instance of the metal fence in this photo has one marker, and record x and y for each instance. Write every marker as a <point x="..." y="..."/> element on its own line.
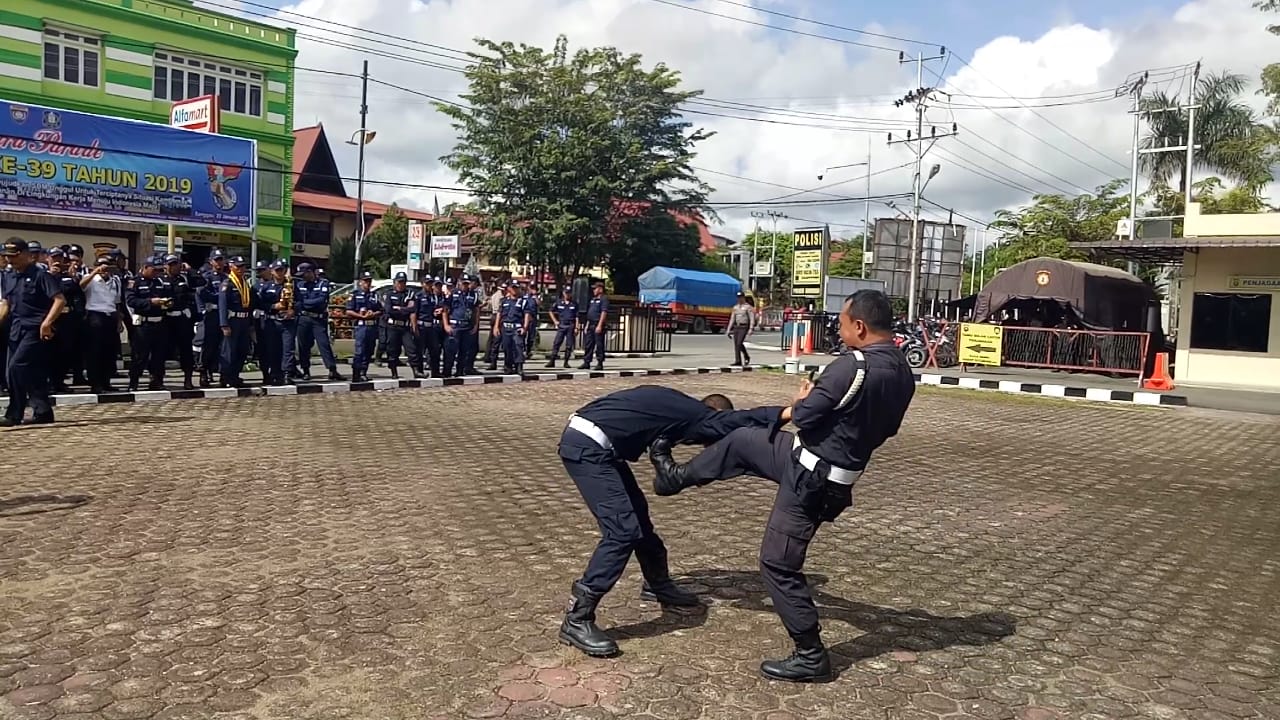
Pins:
<point x="1120" y="353"/>
<point x="812" y="326"/>
<point x="637" y="329"/>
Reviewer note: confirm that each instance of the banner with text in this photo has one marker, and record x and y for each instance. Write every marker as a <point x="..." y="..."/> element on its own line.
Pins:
<point x="444" y="247"/>
<point x="807" y="262"/>
<point x="72" y="163"/>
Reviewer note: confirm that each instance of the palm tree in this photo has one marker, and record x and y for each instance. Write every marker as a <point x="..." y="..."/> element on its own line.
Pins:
<point x="1232" y="140"/>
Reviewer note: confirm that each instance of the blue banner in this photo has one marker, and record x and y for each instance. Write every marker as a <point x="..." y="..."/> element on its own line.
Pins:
<point x="70" y="163"/>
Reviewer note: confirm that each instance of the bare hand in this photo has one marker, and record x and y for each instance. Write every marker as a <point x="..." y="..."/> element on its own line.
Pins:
<point x="46" y="331"/>
<point x="803" y="392"/>
<point x="226" y="332"/>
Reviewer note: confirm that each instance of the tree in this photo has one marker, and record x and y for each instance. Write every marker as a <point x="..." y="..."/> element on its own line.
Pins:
<point x="1232" y="140"/>
<point x="386" y="244"/>
<point x="761" y="243"/>
<point x="1213" y="196"/>
<point x="850" y="263"/>
<point x="1271" y="73"/>
<point x="552" y="143"/>
<point x="654" y="240"/>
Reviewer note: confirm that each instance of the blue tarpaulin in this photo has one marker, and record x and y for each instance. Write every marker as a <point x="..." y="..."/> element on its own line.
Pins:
<point x="690" y="287"/>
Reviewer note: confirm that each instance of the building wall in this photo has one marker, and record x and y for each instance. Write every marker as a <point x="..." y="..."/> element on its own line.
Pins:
<point x="1209" y="271"/>
<point x="131" y="33"/>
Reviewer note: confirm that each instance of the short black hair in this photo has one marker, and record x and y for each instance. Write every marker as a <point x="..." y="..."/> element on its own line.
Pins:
<point x="871" y="307"/>
<point x="716" y="401"/>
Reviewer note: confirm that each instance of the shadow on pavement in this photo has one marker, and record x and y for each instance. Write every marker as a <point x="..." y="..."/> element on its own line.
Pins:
<point x="36" y="504"/>
<point x="126" y="420"/>
<point x="885" y="629"/>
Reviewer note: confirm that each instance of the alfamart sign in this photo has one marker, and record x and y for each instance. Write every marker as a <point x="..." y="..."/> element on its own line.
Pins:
<point x="199" y="114"/>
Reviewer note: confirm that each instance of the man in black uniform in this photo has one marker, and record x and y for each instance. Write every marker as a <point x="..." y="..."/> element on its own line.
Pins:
<point x="69" y="325"/>
<point x="148" y="298"/>
<point x="181" y="316"/>
<point x="601" y="438"/>
<point x="858" y="403"/>
<point x="31" y="299"/>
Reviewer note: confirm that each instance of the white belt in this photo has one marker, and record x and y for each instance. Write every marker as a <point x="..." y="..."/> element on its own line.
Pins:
<point x="151" y="319"/>
<point x="588" y="428"/>
<point x="837" y="475"/>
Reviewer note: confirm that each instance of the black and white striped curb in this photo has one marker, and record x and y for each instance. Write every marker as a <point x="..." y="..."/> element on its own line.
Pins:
<point x="380" y="384"/>
<point x="1133" y="397"/>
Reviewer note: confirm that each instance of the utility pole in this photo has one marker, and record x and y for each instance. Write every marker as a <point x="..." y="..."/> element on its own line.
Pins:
<point x="866" y="214"/>
<point x="1191" y="141"/>
<point x="364" y="116"/>
<point x="920" y="98"/>
<point x="1136" y="91"/>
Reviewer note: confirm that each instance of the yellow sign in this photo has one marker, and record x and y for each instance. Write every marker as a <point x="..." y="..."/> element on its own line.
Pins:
<point x="981" y="344"/>
<point x="1261" y="283"/>
<point x="806" y="262"/>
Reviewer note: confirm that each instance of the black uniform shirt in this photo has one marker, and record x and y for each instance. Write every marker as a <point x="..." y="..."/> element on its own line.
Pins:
<point x="635" y="417"/>
<point x="845" y="418"/>
<point x="30" y="294"/>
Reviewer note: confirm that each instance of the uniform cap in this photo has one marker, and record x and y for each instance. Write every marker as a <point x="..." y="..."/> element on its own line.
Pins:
<point x="34" y="246"/>
<point x="239" y="261"/>
<point x="448" y="281"/>
<point x="75" y="250"/>
<point x="597" y="284"/>
<point x="366" y="275"/>
<point x="437" y="281"/>
<point x="320" y="272"/>
<point x="303" y="267"/>
<point x="262" y="265"/>
<point x="57" y="253"/>
<point x="465" y="278"/>
<point x="216" y="255"/>
<point x="157" y="261"/>
<point x="279" y="265"/>
<point x="114" y="252"/>
<point x="400" y="276"/>
<point x="172" y="258"/>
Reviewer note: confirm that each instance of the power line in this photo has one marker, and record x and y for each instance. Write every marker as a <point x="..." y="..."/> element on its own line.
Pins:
<point x="828" y="25"/>
<point x="1030" y="177"/>
<point x="834" y="184"/>
<point x="775" y="27"/>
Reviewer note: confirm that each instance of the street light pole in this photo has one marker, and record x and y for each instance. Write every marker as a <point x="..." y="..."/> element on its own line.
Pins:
<point x="364" y="116"/>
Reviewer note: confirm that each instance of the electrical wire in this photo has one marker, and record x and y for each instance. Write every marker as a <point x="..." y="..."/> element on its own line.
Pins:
<point x="793" y="31"/>
<point x="829" y="25"/>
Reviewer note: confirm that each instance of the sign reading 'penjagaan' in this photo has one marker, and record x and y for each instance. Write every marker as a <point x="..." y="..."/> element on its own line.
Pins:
<point x="70" y="163"/>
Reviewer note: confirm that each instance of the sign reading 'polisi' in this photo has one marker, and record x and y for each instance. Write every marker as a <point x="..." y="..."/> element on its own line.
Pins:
<point x="199" y="114"/>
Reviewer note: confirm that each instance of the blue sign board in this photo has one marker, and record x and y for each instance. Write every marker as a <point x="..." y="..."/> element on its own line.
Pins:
<point x="69" y="163"/>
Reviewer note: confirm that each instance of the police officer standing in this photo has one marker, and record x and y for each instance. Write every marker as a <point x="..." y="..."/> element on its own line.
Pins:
<point x="857" y="403"/>
<point x="471" y="290"/>
<point x="311" y="294"/>
<point x="597" y="315"/>
<point x="400" y="310"/>
<point x="75" y="345"/>
<point x="495" y="339"/>
<point x="6" y="273"/>
<point x="235" y="314"/>
<point x="69" y="325"/>
<point x="564" y="314"/>
<point x="267" y="300"/>
<point x="600" y="440"/>
<point x="425" y="318"/>
<point x="531" y="326"/>
<point x="459" y="319"/>
<point x="364" y="309"/>
<point x="509" y="324"/>
<point x="148" y="300"/>
<point x="30" y="299"/>
<point x="207" y="301"/>
<point x="179" y="320"/>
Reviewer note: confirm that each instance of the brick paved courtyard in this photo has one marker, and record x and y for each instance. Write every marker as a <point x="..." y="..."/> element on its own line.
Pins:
<point x="360" y="556"/>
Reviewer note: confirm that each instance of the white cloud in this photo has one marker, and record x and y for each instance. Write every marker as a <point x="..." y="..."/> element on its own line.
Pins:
<point x="735" y="61"/>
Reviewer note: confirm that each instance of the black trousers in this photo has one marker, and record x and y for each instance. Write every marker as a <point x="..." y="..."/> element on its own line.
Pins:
<point x="564" y="336"/>
<point x="592" y="344"/>
<point x="148" y="351"/>
<point x="493" y="348"/>
<point x="211" y="343"/>
<point x="792" y="522"/>
<point x="740" y="354"/>
<point x="432" y="336"/>
<point x="4" y="354"/>
<point x="621" y="512"/>
<point x="102" y="336"/>
<point x="28" y="372"/>
<point x="402" y="338"/>
<point x="180" y="330"/>
<point x="66" y="339"/>
<point x="271" y="350"/>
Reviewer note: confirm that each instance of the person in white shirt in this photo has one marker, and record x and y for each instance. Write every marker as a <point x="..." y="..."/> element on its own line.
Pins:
<point x="103" y="324"/>
<point x="742" y="322"/>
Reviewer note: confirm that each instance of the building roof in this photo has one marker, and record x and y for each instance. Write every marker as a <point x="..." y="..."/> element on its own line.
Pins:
<point x="314" y="168"/>
<point x="635" y="208"/>
<point x="347" y="205"/>
<point x="304" y="142"/>
<point x="1167" y="250"/>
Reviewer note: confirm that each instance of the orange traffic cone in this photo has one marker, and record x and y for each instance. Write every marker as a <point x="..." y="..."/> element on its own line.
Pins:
<point x="1160" y="379"/>
<point x="808" y="337"/>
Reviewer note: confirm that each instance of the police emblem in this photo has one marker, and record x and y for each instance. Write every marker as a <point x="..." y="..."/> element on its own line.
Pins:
<point x="1042" y="278"/>
<point x="19" y="113"/>
<point x="51" y="120"/>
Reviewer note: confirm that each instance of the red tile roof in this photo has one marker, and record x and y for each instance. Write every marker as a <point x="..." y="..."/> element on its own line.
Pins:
<point x="333" y="203"/>
<point x="635" y="208"/>
<point x="304" y="142"/>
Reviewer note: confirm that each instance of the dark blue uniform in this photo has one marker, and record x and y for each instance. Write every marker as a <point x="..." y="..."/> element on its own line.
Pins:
<point x="429" y="307"/>
<point x="857" y="403"/>
<point x="461" y="309"/>
<point x="148" y="346"/>
<point x="271" y="331"/>
<point x="566" y="312"/>
<point x="472" y="345"/>
<point x="601" y="438"/>
<point x="399" y="310"/>
<point x="211" y="332"/>
<point x="6" y="275"/>
<point x="366" y="330"/>
<point x="592" y="341"/>
<point x="29" y="295"/>
<point x="511" y="325"/>
<point x="68" y="329"/>
<point x="312" y="300"/>
<point x="235" y="311"/>
<point x="531" y="328"/>
<point x="180" y="318"/>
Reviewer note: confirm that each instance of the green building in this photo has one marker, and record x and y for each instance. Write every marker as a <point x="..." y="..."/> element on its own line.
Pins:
<point x="133" y="59"/>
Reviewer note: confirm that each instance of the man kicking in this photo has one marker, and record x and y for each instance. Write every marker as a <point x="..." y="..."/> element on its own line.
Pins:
<point x="857" y="403"/>
<point x="599" y="441"/>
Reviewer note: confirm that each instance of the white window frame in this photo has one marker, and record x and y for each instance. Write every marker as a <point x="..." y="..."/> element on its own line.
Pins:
<point x="213" y="74"/>
<point x="71" y="40"/>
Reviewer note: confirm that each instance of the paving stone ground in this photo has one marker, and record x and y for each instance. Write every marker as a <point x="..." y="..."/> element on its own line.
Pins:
<point x="407" y="555"/>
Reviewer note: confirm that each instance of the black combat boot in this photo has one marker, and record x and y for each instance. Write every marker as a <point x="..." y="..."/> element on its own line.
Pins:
<point x="579" y="628"/>
<point x="552" y="363"/>
<point x="186" y="382"/>
<point x="395" y="372"/>
<point x="669" y="477"/>
<point x="600" y="366"/>
<point x="335" y="375"/>
<point x="665" y="591"/>
<point x="809" y="663"/>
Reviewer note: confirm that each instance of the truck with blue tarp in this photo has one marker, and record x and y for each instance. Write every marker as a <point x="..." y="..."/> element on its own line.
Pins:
<point x="697" y="300"/>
